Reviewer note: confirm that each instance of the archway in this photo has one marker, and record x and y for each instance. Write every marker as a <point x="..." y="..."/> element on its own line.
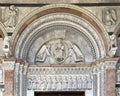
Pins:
<point x="117" y="33"/>
<point x="68" y="25"/>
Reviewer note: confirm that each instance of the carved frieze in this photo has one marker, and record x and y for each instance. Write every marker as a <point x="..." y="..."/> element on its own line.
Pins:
<point x="60" y="82"/>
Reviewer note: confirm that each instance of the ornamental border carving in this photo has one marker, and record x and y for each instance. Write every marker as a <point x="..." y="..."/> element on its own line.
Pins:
<point x="62" y="17"/>
<point x="100" y="28"/>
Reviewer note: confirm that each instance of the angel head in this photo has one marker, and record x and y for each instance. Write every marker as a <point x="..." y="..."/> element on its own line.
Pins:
<point x="12" y="7"/>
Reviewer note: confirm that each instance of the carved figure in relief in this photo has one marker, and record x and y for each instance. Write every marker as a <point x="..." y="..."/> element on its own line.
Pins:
<point x="113" y="40"/>
<point x="64" y="82"/>
<point x="70" y="82"/>
<point x="6" y="47"/>
<point x="42" y="83"/>
<point x="71" y="57"/>
<point x="113" y="45"/>
<point x="30" y="83"/>
<point x="54" y="83"/>
<point x="84" y="82"/>
<point x="49" y="82"/>
<point x="40" y="80"/>
<point x="44" y="55"/>
<point x="34" y="82"/>
<point x="59" y="51"/>
<point x="89" y="82"/>
<point x="11" y="16"/>
<point x="59" y="82"/>
<point x="110" y="17"/>
<point x="75" y="55"/>
<point x="74" y="79"/>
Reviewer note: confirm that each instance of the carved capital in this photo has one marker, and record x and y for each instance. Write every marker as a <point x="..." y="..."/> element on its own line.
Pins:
<point x="9" y="65"/>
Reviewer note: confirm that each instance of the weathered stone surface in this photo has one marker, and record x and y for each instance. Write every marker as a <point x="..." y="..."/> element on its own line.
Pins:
<point x="60" y="47"/>
<point x="9" y="77"/>
<point x="110" y="82"/>
<point x="58" y="1"/>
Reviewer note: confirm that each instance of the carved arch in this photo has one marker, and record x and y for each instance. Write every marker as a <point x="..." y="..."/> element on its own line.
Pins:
<point x="62" y="8"/>
<point x="117" y="30"/>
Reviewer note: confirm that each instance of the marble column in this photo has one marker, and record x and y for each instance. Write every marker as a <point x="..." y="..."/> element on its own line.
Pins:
<point x="9" y="77"/>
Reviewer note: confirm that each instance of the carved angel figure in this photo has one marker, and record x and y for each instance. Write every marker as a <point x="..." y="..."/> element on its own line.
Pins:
<point x="44" y="55"/>
<point x="59" y="51"/>
<point x="110" y="17"/>
<point x="75" y="55"/>
<point x="10" y="16"/>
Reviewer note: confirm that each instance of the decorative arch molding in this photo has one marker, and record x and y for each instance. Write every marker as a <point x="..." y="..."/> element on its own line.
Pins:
<point x="37" y="17"/>
<point x="3" y="32"/>
<point x="117" y="30"/>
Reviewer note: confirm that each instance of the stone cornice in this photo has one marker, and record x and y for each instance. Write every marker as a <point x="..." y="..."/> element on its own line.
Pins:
<point x="56" y="1"/>
<point x="106" y="61"/>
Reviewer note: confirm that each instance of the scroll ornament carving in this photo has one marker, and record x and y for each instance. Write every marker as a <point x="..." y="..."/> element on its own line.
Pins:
<point x="110" y="17"/>
<point x="60" y="82"/>
<point x="59" y="51"/>
<point x="11" y="15"/>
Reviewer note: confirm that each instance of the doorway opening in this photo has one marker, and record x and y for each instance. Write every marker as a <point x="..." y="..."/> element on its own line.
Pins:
<point x="65" y="93"/>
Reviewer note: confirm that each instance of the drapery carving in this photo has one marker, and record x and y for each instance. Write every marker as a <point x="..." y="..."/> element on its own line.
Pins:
<point x="59" y="51"/>
<point x="60" y="82"/>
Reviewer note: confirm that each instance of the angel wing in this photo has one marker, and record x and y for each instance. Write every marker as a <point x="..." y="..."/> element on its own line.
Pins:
<point x="5" y="14"/>
<point x="113" y="14"/>
<point x="79" y="55"/>
<point x="42" y="54"/>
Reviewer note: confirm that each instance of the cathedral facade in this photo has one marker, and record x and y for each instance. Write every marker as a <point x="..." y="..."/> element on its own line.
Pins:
<point x="64" y="48"/>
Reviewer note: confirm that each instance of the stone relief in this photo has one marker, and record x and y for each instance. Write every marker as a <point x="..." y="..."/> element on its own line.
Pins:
<point x="110" y="17"/>
<point x="59" y="51"/>
<point x="60" y="82"/>
<point x="113" y="45"/>
<point x="11" y="15"/>
<point x="6" y="47"/>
